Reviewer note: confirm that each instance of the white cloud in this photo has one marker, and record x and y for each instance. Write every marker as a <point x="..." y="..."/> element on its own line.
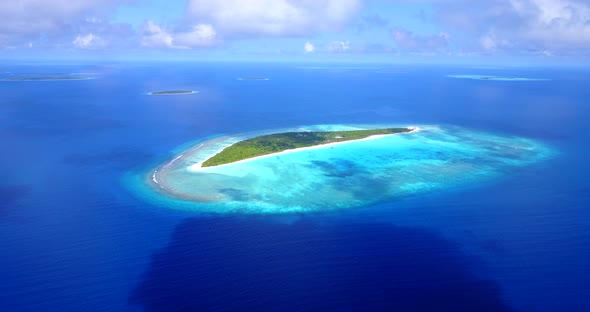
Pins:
<point x="201" y="35"/>
<point x="89" y="41"/>
<point x="273" y="17"/>
<point x="556" y="23"/>
<point x="339" y="46"/>
<point x="26" y="20"/>
<point x="552" y="27"/>
<point x="153" y="36"/>
<point x="411" y="42"/>
<point x="537" y="26"/>
<point x="62" y="23"/>
<point x="488" y="43"/>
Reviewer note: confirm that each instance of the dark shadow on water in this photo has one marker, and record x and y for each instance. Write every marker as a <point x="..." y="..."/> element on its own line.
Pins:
<point x="248" y="264"/>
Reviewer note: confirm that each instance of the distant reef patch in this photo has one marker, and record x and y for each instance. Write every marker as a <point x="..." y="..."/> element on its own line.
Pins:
<point x="173" y="92"/>
<point x="254" y="78"/>
<point x="495" y="78"/>
<point x="45" y="77"/>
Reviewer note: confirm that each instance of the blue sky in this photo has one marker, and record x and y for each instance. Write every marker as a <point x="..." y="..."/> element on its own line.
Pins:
<point x="490" y="31"/>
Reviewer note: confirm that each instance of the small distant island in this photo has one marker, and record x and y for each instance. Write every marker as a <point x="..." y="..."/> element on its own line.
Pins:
<point x="172" y="92"/>
<point x="44" y="78"/>
<point x="495" y="78"/>
<point x="279" y="142"/>
<point x="253" y="78"/>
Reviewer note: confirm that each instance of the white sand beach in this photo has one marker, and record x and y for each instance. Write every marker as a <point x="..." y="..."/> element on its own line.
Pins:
<point x="198" y="166"/>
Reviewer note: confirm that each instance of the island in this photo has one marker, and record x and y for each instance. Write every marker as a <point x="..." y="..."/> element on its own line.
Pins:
<point x="279" y="142"/>
<point x="172" y="92"/>
<point x="374" y="166"/>
<point x="253" y="78"/>
<point x="45" y="78"/>
<point x="495" y="78"/>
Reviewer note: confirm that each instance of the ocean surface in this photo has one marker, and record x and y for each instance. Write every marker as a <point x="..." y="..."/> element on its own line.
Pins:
<point x="80" y="230"/>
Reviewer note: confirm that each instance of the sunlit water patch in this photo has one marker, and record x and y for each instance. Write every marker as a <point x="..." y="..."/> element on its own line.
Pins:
<point x="346" y="175"/>
<point x="495" y="78"/>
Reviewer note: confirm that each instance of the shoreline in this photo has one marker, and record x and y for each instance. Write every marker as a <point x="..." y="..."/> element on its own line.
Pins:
<point x="198" y="166"/>
<point x="157" y="177"/>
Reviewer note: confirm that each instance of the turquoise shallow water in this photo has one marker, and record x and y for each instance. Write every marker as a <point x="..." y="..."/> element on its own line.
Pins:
<point x="345" y="175"/>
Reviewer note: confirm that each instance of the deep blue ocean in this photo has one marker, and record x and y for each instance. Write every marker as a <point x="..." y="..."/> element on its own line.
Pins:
<point x="74" y="238"/>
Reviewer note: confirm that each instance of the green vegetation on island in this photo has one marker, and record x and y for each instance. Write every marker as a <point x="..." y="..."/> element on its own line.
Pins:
<point x="275" y="143"/>
<point x="172" y="92"/>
